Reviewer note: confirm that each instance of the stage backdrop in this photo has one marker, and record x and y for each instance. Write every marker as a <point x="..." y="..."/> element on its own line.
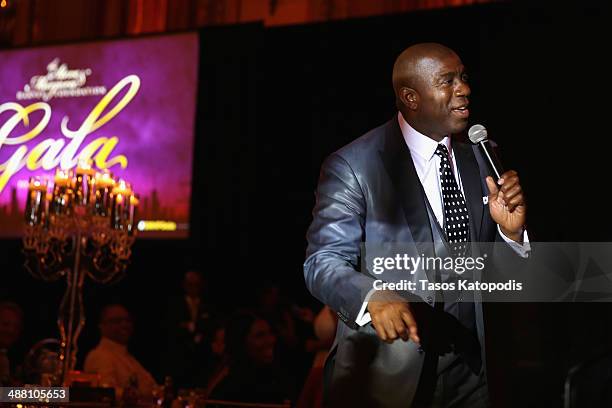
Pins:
<point x="129" y="105"/>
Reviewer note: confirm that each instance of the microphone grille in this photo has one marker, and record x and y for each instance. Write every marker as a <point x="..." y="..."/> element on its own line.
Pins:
<point x="477" y="133"/>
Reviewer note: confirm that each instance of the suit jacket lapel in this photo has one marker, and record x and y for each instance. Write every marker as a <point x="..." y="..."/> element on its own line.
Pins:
<point x="472" y="187"/>
<point x="398" y="163"/>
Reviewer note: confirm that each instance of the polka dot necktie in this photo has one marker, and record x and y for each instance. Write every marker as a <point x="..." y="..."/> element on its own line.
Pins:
<point x="456" y="219"/>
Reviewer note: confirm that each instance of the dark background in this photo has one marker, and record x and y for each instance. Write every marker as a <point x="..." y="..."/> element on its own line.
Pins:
<point x="274" y="102"/>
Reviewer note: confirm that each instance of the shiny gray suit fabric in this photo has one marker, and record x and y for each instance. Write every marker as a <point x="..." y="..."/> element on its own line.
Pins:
<point x="369" y="192"/>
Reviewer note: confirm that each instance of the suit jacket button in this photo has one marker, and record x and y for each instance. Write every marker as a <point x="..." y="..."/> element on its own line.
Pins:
<point x="420" y="350"/>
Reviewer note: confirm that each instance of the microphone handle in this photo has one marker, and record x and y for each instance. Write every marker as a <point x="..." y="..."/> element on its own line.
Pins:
<point x="494" y="162"/>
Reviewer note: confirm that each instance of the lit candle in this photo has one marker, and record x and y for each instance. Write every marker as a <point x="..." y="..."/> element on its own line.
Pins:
<point x="105" y="179"/>
<point x="84" y="182"/>
<point x="61" y="199"/>
<point x="35" y="204"/>
<point x="104" y="184"/>
<point x="62" y="178"/>
<point x="120" y="205"/>
<point x="122" y="188"/>
<point x="45" y="216"/>
<point x="134" y="201"/>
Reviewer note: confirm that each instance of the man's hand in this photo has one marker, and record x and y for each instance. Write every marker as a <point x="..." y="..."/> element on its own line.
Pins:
<point x="507" y="204"/>
<point x="392" y="317"/>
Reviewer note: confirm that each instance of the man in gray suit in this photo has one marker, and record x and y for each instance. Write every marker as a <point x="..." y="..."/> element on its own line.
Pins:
<point x="403" y="182"/>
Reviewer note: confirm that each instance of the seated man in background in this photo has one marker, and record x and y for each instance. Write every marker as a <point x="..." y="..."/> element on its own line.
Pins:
<point x="11" y="325"/>
<point x="111" y="359"/>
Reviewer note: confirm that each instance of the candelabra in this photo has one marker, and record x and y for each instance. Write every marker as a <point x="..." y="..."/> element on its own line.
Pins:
<point x="81" y="225"/>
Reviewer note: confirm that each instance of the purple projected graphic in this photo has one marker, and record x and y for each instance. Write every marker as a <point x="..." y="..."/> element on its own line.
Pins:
<point x="127" y="105"/>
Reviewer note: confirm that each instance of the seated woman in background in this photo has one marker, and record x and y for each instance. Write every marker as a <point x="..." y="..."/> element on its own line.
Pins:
<point x="253" y="375"/>
<point x="216" y="363"/>
<point x="325" y="329"/>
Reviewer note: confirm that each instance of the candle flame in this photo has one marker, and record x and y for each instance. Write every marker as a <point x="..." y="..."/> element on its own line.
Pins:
<point x="104" y="180"/>
<point x="37" y="184"/>
<point x="61" y="174"/>
<point x="122" y="188"/>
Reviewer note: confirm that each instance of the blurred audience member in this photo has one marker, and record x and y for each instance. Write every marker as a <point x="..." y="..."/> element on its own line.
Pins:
<point x="187" y="324"/>
<point x="275" y="310"/>
<point x="218" y="363"/>
<point x="325" y="329"/>
<point x="293" y="326"/>
<point x="253" y="374"/>
<point x="11" y="325"/>
<point x="214" y="348"/>
<point x="217" y="344"/>
<point x="111" y="359"/>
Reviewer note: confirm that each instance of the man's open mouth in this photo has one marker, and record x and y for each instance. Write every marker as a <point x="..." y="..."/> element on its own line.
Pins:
<point x="461" y="111"/>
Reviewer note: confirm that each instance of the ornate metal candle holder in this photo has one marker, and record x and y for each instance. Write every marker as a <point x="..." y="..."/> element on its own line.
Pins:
<point x="81" y="225"/>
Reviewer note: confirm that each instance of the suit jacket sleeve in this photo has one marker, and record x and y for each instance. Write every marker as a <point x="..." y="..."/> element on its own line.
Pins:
<point x="334" y="240"/>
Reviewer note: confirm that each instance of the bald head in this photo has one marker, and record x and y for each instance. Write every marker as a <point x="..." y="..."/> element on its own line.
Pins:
<point x="431" y="90"/>
<point x="116" y="323"/>
<point x="414" y="65"/>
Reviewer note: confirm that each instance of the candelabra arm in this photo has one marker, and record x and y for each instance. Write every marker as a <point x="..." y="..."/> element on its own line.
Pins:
<point x="71" y="314"/>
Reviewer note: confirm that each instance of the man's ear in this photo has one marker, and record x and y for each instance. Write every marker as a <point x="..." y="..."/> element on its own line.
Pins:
<point x="409" y="97"/>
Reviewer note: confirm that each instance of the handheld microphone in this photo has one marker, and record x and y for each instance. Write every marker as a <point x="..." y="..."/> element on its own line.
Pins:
<point x="478" y="135"/>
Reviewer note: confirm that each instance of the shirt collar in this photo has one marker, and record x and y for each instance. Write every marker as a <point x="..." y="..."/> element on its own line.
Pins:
<point x="113" y="346"/>
<point x="192" y="300"/>
<point x="418" y="143"/>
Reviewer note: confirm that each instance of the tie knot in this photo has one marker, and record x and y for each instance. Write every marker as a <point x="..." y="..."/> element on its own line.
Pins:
<point x="442" y="151"/>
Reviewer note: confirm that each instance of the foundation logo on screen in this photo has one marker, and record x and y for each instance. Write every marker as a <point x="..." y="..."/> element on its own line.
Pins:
<point x="59" y="82"/>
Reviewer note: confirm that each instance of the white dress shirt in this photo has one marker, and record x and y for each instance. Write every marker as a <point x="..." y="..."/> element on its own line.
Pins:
<point x="427" y="162"/>
<point x="116" y="365"/>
